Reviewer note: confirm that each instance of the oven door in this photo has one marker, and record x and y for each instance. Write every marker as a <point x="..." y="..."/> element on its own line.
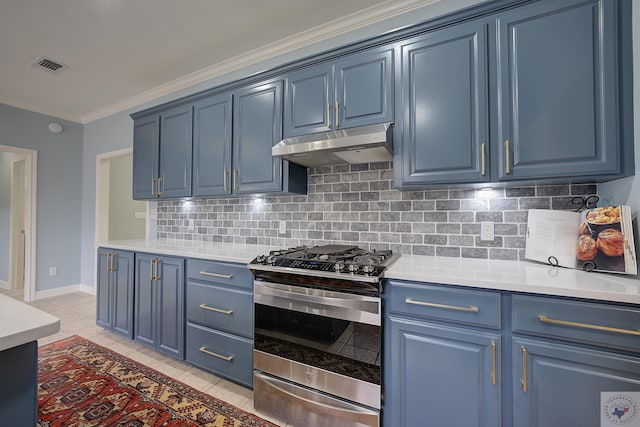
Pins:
<point x="323" y="340"/>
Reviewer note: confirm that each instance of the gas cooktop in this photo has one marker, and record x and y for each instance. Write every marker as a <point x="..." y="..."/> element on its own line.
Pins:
<point x="336" y="261"/>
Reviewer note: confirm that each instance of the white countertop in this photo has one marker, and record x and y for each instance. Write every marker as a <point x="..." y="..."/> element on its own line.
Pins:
<point x="518" y="276"/>
<point x="21" y="323"/>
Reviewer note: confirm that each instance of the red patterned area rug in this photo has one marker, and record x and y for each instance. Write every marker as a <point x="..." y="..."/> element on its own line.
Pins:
<point x="83" y="384"/>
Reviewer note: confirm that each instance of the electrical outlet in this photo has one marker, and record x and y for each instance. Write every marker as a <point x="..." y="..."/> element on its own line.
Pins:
<point x="53" y="271"/>
<point x="282" y="227"/>
<point x="191" y="226"/>
<point x="486" y="231"/>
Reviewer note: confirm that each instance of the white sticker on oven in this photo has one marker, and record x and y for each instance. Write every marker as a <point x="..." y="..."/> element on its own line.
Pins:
<point x="619" y="409"/>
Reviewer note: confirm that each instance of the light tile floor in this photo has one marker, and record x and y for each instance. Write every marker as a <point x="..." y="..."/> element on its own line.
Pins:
<point x="77" y="313"/>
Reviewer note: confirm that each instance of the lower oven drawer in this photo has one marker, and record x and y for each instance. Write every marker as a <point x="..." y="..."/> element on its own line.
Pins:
<point x="305" y="407"/>
<point x="227" y="355"/>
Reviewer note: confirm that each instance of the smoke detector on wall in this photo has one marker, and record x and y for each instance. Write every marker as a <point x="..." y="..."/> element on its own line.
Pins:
<point x="49" y="65"/>
<point x="55" y="127"/>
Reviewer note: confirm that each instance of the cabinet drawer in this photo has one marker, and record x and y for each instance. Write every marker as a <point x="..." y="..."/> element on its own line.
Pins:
<point x="220" y="272"/>
<point x="439" y="302"/>
<point x="594" y="323"/>
<point x="216" y="307"/>
<point x="223" y="354"/>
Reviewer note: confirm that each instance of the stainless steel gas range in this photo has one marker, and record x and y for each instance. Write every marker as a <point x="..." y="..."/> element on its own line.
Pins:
<point x="317" y="345"/>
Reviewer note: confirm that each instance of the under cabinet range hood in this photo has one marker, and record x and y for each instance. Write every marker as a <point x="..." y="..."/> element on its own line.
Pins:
<point x="364" y="144"/>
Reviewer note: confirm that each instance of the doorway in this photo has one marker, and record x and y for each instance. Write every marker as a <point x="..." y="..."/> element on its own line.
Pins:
<point x="21" y="260"/>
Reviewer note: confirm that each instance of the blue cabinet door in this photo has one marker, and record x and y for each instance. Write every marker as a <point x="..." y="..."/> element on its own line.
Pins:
<point x="145" y="295"/>
<point x="212" y="146"/>
<point x="309" y="102"/>
<point x="557" y="77"/>
<point x="159" y="303"/>
<point x="560" y="385"/>
<point x="146" y="143"/>
<point x="364" y="89"/>
<point x="114" y="302"/>
<point x="103" y="285"/>
<point x="444" y="107"/>
<point x="122" y="291"/>
<point x="176" y="126"/>
<point x="440" y="376"/>
<point x="257" y="127"/>
<point x="170" y="306"/>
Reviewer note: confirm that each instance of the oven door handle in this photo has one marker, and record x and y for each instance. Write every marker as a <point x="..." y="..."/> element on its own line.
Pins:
<point x="346" y="306"/>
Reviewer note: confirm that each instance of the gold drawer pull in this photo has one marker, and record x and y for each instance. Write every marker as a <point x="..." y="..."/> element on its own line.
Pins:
<point x="222" y="276"/>
<point x="482" y="152"/>
<point x="204" y="350"/>
<point x="493" y="362"/>
<point x="588" y="326"/>
<point x="217" y="310"/>
<point x="523" y="381"/>
<point x="448" y="307"/>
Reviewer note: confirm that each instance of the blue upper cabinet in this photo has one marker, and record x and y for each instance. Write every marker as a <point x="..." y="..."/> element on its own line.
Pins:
<point x="309" y="101"/>
<point x="146" y="143"/>
<point x="257" y="127"/>
<point x="444" y="106"/>
<point x="352" y="91"/>
<point x="364" y="89"/>
<point x="162" y="146"/>
<point x="536" y="92"/>
<point x="556" y="81"/>
<point x="176" y="127"/>
<point x="212" y="145"/>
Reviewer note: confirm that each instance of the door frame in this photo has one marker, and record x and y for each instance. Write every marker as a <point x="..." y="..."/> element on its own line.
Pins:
<point x="14" y="214"/>
<point x="31" y="181"/>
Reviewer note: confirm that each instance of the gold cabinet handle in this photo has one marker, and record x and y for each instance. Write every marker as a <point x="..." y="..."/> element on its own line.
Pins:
<point x="337" y="114"/>
<point x="160" y="192"/>
<point x="545" y="319"/>
<point x="329" y="115"/>
<point x="482" y="156"/>
<point x="152" y="263"/>
<point x="445" y="306"/>
<point x="235" y="179"/>
<point x="507" y="163"/>
<point x="154" y="274"/>
<point x="226" y="174"/>
<point x="153" y="184"/>
<point x="523" y="381"/>
<point x="217" y="310"/>
<point x="109" y="255"/>
<point x="493" y="362"/>
<point x="204" y="350"/>
<point x="113" y="261"/>
<point x="222" y="276"/>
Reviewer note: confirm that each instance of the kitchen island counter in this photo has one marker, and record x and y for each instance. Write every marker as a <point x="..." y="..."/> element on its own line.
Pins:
<point x="20" y="327"/>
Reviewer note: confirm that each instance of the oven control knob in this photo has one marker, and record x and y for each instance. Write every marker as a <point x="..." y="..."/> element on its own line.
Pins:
<point x="260" y="259"/>
<point x="338" y="266"/>
<point x="368" y="269"/>
<point x="353" y="268"/>
<point x="271" y="260"/>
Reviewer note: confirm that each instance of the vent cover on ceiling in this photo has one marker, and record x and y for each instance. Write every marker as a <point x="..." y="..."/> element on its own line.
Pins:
<point x="49" y="65"/>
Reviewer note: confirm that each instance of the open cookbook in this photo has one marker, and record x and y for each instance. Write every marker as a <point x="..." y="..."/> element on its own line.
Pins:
<point x="599" y="239"/>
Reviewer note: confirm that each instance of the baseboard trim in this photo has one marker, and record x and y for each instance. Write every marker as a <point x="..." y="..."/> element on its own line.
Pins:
<point x="49" y="293"/>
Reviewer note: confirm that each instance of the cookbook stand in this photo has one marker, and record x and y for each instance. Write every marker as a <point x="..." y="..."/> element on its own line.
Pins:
<point x="582" y="203"/>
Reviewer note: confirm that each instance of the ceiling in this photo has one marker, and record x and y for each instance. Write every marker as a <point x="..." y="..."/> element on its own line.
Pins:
<point x="121" y="53"/>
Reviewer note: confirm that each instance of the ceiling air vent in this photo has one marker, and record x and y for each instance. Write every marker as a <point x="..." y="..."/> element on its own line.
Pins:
<point x="49" y="65"/>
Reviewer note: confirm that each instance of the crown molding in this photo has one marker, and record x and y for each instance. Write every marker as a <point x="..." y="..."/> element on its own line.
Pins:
<point x="289" y="44"/>
<point x="37" y="109"/>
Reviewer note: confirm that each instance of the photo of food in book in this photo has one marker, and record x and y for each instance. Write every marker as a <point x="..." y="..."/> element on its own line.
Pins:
<point x="598" y="239"/>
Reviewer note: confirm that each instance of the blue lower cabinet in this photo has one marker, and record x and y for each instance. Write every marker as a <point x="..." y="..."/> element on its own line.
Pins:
<point x="114" y="302"/>
<point x="224" y="354"/>
<point x="439" y="375"/>
<point x="159" y="303"/>
<point x="561" y="385"/>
